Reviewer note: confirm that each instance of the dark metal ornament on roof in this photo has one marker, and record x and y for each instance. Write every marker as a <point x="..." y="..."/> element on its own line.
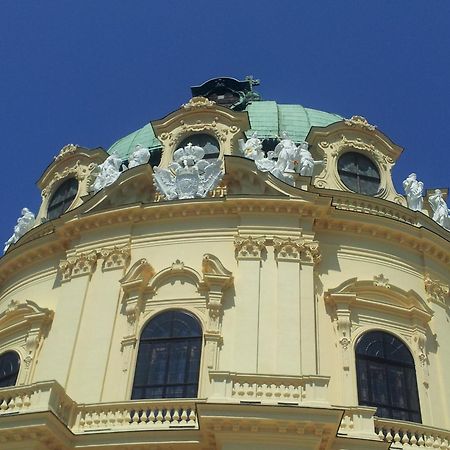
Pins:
<point x="228" y="92"/>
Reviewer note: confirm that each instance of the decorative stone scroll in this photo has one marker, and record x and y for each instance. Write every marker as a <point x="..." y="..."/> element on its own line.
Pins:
<point x="85" y="263"/>
<point x="249" y="247"/>
<point x="67" y="150"/>
<point x="437" y="291"/>
<point x="216" y="279"/>
<point x="359" y="121"/>
<point x="198" y="102"/>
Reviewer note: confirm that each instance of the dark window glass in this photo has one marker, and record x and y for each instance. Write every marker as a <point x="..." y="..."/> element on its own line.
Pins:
<point x="62" y="198"/>
<point x="209" y="144"/>
<point x="168" y="361"/>
<point x="359" y="173"/>
<point x="387" y="377"/>
<point x="9" y="368"/>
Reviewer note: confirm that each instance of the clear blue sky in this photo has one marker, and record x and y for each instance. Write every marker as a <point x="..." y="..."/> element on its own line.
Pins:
<point x="91" y="71"/>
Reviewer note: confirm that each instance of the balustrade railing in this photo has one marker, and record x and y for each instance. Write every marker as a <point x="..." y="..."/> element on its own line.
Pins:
<point x="136" y="415"/>
<point x="408" y="434"/>
<point x="269" y="388"/>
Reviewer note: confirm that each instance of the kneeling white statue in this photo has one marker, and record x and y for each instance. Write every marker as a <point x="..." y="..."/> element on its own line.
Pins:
<point x="24" y="223"/>
<point x="141" y="155"/>
<point x="106" y="173"/>
<point x="440" y="209"/>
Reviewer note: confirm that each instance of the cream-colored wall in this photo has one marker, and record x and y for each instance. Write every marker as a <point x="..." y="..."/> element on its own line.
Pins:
<point x="275" y="319"/>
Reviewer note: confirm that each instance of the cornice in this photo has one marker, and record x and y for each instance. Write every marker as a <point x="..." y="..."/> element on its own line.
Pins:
<point x="349" y="213"/>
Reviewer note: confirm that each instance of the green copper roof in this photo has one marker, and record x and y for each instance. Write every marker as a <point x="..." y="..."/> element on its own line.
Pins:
<point x="267" y="118"/>
<point x="270" y="119"/>
<point x="125" y="146"/>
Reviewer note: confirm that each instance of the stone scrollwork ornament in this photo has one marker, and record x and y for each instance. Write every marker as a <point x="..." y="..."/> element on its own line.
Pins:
<point x="189" y="176"/>
<point x="24" y="224"/>
<point x="413" y="190"/>
<point x="440" y="209"/>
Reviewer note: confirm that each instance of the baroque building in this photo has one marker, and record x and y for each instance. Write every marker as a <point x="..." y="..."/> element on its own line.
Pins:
<point x="240" y="274"/>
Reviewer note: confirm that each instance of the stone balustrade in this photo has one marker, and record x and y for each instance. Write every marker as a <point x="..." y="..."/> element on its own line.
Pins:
<point x="79" y="418"/>
<point x="135" y="415"/>
<point x="408" y="434"/>
<point x="228" y="386"/>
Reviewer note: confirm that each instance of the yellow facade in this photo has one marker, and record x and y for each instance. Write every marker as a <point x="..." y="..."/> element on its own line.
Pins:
<point x="283" y="279"/>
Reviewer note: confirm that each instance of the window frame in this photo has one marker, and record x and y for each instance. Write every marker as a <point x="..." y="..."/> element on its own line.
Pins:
<point x="55" y="191"/>
<point x="386" y="363"/>
<point x="357" y="177"/>
<point x="201" y="342"/>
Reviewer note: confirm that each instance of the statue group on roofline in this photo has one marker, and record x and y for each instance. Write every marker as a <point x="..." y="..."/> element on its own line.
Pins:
<point x="286" y="159"/>
<point x="414" y="198"/>
<point x="24" y="224"/>
<point x="109" y="170"/>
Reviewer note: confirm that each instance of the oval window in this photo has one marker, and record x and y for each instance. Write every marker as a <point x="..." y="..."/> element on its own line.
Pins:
<point x="359" y="173"/>
<point x="209" y="144"/>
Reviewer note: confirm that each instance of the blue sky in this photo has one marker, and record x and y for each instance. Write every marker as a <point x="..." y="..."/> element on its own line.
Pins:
<point x="91" y="71"/>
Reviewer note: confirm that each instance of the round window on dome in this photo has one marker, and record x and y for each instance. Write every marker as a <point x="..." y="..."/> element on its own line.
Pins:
<point x="359" y="173"/>
<point x="62" y="198"/>
<point x="209" y="144"/>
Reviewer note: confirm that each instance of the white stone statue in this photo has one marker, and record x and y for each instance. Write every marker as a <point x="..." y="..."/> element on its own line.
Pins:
<point x="252" y="148"/>
<point x="306" y="162"/>
<point x="287" y="152"/>
<point x="413" y="190"/>
<point x="189" y="176"/>
<point x="141" y="155"/>
<point x="440" y="209"/>
<point x="106" y="173"/>
<point x="24" y="223"/>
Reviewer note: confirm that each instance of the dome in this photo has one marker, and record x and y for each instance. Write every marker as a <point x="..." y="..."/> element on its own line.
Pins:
<point x="268" y="118"/>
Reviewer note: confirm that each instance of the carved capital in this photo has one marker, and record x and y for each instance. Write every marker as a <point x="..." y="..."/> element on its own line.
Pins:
<point x="78" y="265"/>
<point x="115" y="258"/>
<point x="249" y="247"/>
<point x="288" y="249"/>
<point x="311" y="252"/>
<point x="437" y="291"/>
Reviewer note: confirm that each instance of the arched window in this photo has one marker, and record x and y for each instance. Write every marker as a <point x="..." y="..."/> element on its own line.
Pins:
<point x="62" y="198"/>
<point x="9" y="369"/>
<point x="387" y="377"/>
<point x="168" y="359"/>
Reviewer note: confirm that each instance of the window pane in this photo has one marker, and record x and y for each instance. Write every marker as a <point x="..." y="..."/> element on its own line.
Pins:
<point x="386" y="376"/>
<point x="169" y="357"/>
<point x="9" y="368"/>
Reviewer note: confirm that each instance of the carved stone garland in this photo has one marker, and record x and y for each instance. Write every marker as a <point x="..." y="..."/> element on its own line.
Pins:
<point x="437" y="291"/>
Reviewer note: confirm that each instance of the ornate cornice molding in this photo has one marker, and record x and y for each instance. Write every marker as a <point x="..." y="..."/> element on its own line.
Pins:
<point x="437" y="291"/>
<point x="250" y="248"/>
